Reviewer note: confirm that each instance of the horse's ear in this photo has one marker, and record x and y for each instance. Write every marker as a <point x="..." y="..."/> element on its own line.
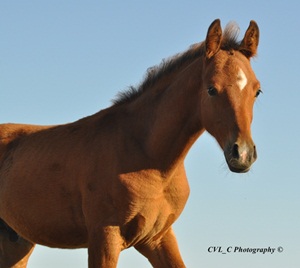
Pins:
<point x="250" y="42"/>
<point x="213" y="38"/>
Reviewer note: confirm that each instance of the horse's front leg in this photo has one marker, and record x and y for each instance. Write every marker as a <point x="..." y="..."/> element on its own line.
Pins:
<point x="105" y="245"/>
<point x="164" y="252"/>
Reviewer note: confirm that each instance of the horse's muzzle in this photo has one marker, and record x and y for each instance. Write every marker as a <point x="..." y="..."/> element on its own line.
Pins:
<point x="240" y="156"/>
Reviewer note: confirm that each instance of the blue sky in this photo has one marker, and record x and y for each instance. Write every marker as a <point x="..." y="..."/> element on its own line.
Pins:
<point x="63" y="60"/>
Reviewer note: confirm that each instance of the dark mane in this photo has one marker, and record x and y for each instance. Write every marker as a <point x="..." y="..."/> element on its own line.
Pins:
<point x="155" y="73"/>
<point x="167" y="66"/>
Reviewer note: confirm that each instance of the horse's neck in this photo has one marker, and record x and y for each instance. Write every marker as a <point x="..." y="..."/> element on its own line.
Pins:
<point x="171" y="122"/>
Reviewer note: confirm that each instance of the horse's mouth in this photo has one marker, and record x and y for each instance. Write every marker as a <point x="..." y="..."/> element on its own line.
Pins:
<point x="237" y="166"/>
<point x="238" y="169"/>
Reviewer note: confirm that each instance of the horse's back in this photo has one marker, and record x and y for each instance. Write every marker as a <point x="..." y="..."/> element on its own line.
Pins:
<point x="10" y="132"/>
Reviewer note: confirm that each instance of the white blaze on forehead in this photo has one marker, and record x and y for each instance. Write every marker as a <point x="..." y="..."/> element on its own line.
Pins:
<point x="241" y="79"/>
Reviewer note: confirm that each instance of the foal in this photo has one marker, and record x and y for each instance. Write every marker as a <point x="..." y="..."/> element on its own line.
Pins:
<point x="116" y="179"/>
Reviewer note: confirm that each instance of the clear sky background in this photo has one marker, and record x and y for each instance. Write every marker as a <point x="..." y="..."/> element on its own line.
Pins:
<point x="63" y="60"/>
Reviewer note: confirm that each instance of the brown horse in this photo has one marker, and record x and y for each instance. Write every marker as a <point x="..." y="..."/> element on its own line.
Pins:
<point x="116" y="179"/>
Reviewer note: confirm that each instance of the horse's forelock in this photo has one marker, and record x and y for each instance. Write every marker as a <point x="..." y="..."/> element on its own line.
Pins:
<point x="230" y="36"/>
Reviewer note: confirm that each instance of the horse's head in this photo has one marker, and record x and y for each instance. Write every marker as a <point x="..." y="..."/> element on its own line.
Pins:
<point x="229" y="93"/>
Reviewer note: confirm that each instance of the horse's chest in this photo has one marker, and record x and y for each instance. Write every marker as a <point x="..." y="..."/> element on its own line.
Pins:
<point x="152" y="208"/>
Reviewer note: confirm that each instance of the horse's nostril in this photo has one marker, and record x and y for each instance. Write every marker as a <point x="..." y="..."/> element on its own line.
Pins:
<point x="235" y="151"/>
<point x="254" y="152"/>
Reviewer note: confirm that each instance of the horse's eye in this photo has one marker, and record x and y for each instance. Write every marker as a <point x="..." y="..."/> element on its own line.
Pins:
<point x="258" y="92"/>
<point x="212" y="91"/>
